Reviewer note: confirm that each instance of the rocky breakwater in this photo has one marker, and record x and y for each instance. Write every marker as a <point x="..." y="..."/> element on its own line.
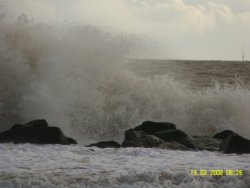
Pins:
<point x="36" y="132"/>
<point x="165" y="135"/>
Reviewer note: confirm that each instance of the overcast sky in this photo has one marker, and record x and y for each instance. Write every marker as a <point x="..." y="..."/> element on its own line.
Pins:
<point x="181" y="29"/>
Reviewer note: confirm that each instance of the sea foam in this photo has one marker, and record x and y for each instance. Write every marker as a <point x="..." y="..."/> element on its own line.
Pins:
<point x="27" y="165"/>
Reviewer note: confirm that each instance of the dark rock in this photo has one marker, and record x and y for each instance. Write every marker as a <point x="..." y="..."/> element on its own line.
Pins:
<point x="37" y="123"/>
<point x="34" y="123"/>
<point x="36" y="132"/>
<point x="106" y="144"/>
<point x="235" y="143"/>
<point x="17" y="126"/>
<point x="172" y="145"/>
<point x="153" y="127"/>
<point x="223" y="134"/>
<point x="175" y="135"/>
<point x="152" y="134"/>
<point x="206" y="143"/>
<point x="140" y="139"/>
<point x="171" y="135"/>
<point x="71" y="140"/>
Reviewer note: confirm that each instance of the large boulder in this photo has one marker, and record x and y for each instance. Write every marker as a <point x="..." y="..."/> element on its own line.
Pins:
<point x="173" y="145"/>
<point x="37" y="132"/>
<point x="135" y="138"/>
<point x="235" y="143"/>
<point x="223" y="134"/>
<point x="206" y="143"/>
<point x="152" y="134"/>
<point x="105" y="144"/>
<point x="151" y="127"/>
<point x="175" y="135"/>
<point x="35" y="123"/>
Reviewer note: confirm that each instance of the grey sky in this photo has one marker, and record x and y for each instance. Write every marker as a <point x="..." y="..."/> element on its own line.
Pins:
<point x="187" y="29"/>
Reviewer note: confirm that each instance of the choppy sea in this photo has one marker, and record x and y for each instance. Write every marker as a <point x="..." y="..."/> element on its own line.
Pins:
<point x="219" y="91"/>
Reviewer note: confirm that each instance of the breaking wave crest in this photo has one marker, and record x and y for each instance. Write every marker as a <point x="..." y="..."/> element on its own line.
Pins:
<point x="77" y="78"/>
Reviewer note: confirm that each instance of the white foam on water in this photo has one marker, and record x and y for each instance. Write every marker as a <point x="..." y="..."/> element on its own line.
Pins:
<point x="26" y="165"/>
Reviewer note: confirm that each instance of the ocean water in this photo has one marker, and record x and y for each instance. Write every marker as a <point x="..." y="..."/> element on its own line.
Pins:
<point x="196" y="74"/>
<point x="80" y="79"/>
<point x="26" y="165"/>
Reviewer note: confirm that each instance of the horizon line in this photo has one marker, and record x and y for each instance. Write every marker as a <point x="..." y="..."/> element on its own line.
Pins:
<point x="182" y="59"/>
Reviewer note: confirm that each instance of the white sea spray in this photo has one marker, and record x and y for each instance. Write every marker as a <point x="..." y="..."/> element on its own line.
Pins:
<point x="76" y="76"/>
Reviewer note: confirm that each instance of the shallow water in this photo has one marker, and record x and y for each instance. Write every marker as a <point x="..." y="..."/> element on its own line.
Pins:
<point x="26" y="165"/>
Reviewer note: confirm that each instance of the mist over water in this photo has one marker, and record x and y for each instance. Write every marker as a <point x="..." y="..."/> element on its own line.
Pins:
<point x="59" y="73"/>
<point x="78" y="78"/>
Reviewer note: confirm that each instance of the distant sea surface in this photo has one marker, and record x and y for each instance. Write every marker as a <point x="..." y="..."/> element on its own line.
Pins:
<point x="196" y="74"/>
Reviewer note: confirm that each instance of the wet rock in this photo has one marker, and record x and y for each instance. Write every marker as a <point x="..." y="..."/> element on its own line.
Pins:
<point x="152" y="134"/>
<point x="37" y="132"/>
<point x="223" y="134"/>
<point x="71" y="140"/>
<point x="206" y="143"/>
<point x="135" y="138"/>
<point x="175" y="135"/>
<point x="235" y="143"/>
<point x="173" y="145"/>
<point x="35" y="123"/>
<point x="105" y="144"/>
<point x="150" y="127"/>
